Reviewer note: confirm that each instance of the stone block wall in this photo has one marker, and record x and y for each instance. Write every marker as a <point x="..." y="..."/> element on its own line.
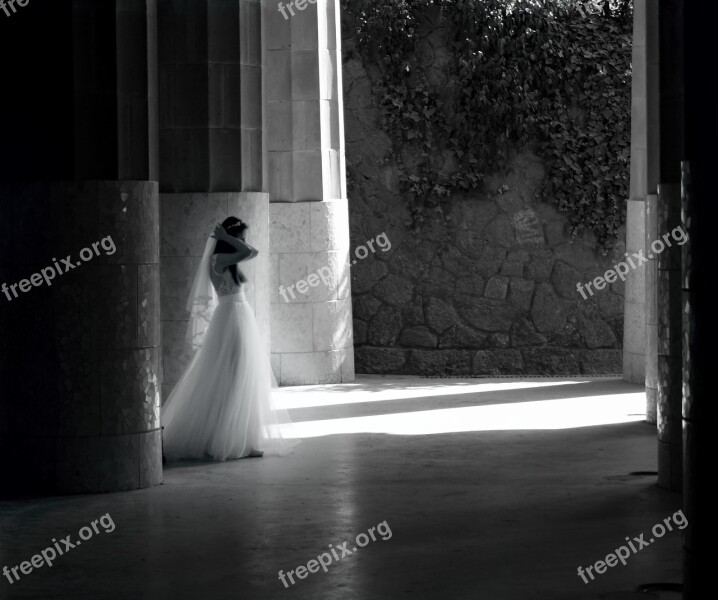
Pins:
<point x="311" y="332"/>
<point x="487" y="289"/>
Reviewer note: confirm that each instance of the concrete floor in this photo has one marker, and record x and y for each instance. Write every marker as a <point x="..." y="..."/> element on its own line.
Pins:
<point x="492" y="491"/>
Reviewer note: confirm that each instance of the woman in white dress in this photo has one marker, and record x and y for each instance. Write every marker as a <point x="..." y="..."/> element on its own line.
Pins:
<point x="222" y="406"/>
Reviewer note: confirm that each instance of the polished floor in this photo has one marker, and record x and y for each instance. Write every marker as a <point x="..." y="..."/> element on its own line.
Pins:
<point x="472" y="489"/>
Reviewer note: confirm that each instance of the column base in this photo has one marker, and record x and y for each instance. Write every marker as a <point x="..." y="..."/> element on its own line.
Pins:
<point x="314" y="368"/>
<point x="81" y="465"/>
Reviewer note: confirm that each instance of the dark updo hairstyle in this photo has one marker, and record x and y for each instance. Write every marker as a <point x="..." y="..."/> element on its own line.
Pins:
<point x="236" y="228"/>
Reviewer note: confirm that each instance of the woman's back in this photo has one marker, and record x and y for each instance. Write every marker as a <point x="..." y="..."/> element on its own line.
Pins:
<point x="223" y="282"/>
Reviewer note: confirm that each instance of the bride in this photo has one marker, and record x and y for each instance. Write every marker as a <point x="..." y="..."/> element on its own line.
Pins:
<point x="222" y="406"/>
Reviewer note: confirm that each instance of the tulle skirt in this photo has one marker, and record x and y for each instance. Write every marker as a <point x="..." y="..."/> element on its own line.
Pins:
<point x="222" y="407"/>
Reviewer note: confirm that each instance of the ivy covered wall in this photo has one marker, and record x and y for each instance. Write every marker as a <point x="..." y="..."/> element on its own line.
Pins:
<point x="490" y="141"/>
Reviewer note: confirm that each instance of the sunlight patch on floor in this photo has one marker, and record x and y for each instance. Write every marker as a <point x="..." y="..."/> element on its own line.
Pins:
<point x="566" y="413"/>
<point x="355" y="393"/>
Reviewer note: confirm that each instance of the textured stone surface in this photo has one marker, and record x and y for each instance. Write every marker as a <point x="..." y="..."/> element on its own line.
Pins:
<point x="370" y="359"/>
<point x="210" y="93"/>
<point x="329" y="223"/>
<point x="540" y="266"/>
<point x="524" y="334"/>
<point x="307" y="185"/>
<point x="521" y="293"/>
<point x="81" y="357"/>
<point x="310" y="368"/>
<point x="177" y="275"/>
<point x="150" y="445"/>
<point x="497" y="362"/>
<point x="635" y="324"/>
<point x="548" y="312"/>
<point x="101" y="464"/>
<point x="463" y="336"/>
<point x="497" y="288"/>
<point x="175" y="354"/>
<point x="498" y="274"/>
<point x="601" y="362"/>
<point x="471" y="285"/>
<point x="365" y="275"/>
<point x="564" y="279"/>
<point x="384" y="327"/>
<point x="310" y="243"/>
<point x="297" y="267"/>
<point x="129" y="391"/>
<point x="365" y="306"/>
<point x="490" y="315"/>
<point x="439" y="362"/>
<point x="528" y="229"/>
<point x="347" y="365"/>
<point x="129" y="212"/>
<point x="550" y="361"/>
<point x="332" y="325"/>
<point x="596" y="333"/>
<point x="306" y="124"/>
<point x="360" y="329"/>
<point x="418" y="337"/>
<point x="187" y="220"/>
<point x="440" y="315"/>
<point x="289" y="227"/>
<point x="292" y="328"/>
<point x="394" y="290"/>
<point x="498" y="340"/>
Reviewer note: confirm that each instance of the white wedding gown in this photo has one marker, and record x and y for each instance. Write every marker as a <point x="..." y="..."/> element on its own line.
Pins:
<point x="222" y="407"/>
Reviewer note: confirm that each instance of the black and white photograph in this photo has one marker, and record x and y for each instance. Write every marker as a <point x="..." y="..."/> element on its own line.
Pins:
<point x="357" y="299"/>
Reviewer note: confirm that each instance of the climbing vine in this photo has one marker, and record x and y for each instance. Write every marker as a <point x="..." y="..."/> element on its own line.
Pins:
<point x="554" y="75"/>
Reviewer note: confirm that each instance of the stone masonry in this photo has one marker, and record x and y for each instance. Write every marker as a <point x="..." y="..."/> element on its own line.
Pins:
<point x="488" y="289"/>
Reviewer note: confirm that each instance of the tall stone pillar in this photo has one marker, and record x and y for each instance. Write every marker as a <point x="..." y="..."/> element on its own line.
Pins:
<point x="212" y="152"/>
<point x="666" y="252"/>
<point x="651" y="306"/>
<point x="640" y="333"/>
<point x="79" y="361"/>
<point x="700" y="318"/>
<point x="312" y="338"/>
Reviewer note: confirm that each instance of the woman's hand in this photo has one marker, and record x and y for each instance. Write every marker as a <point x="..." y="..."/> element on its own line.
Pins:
<point x="242" y="250"/>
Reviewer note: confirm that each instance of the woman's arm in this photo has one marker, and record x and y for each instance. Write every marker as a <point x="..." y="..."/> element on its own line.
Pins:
<point x="239" y="245"/>
<point x="224" y="261"/>
<point x="243" y="250"/>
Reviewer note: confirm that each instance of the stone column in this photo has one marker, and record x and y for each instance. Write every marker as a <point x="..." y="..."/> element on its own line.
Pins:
<point x="309" y="220"/>
<point x="700" y="318"/>
<point x="668" y="287"/>
<point x="666" y="253"/>
<point x="79" y="363"/>
<point x="638" y="334"/>
<point x="212" y="152"/>
<point x="651" y="307"/>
